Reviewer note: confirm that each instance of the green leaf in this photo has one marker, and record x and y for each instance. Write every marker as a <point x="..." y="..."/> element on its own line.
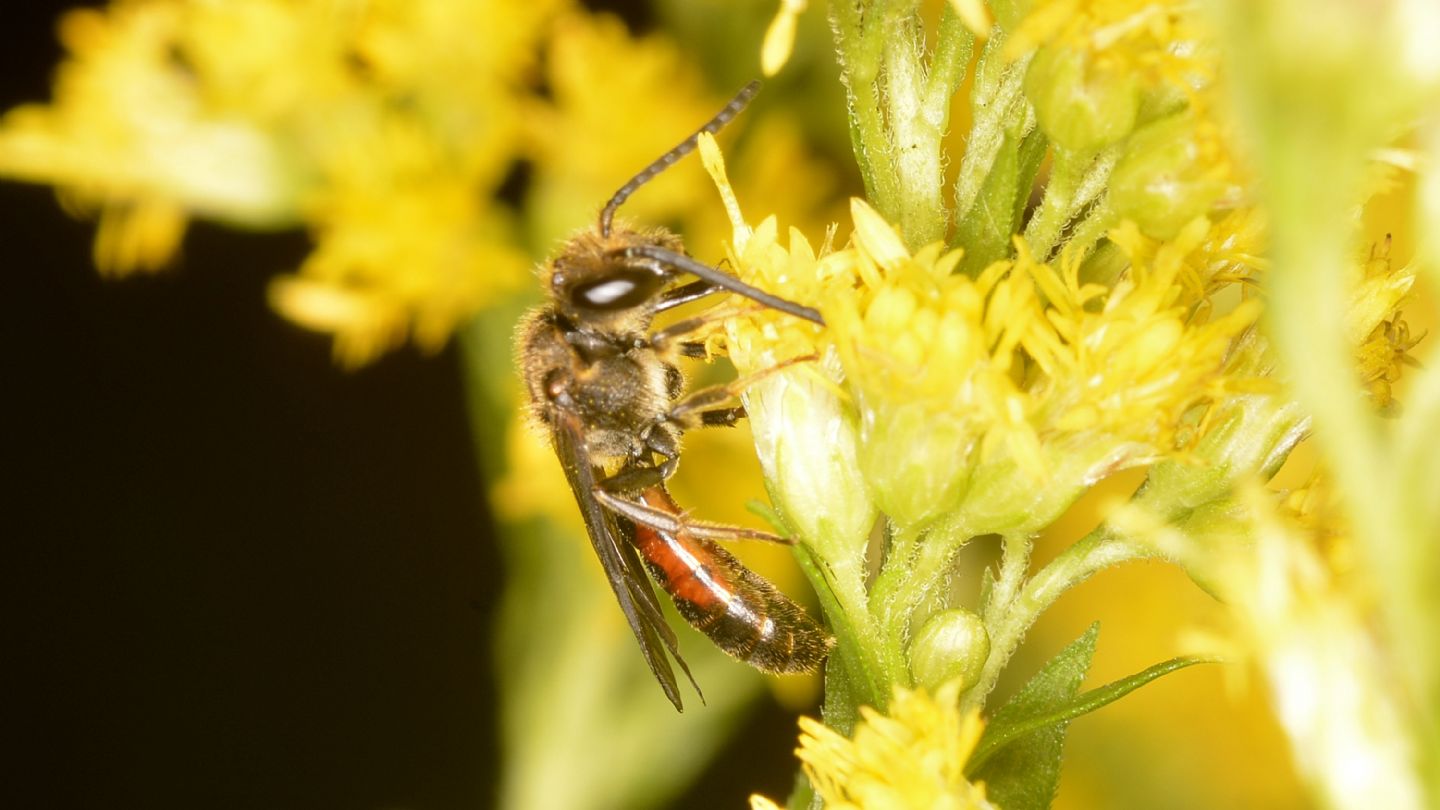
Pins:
<point x="999" y="734"/>
<point x="987" y="584"/>
<point x="1024" y="774"/>
<point x="984" y="231"/>
<point x="1031" y="154"/>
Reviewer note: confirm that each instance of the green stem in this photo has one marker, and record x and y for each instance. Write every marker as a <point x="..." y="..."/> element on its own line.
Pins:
<point x="900" y="108"/>
<point x="953" y="47"/>
<point x="1014" y="562"/>
<point x="859" y="44"/>
<point x="1076" y="180"/>
<point x="858" y="640"/>
<point x="916" y="132"/>
<point x="915" y="570"/>
<point x="1088" y="232"/>
<point x="887" y="600"/>
<point x="1097" y="551"/>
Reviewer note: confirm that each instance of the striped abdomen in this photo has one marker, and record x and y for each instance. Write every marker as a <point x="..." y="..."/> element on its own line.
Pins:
<point x="741" y="612"/>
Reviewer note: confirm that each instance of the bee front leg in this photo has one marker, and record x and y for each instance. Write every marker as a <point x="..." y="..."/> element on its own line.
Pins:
<point x="698" y="408"/>
<point x="667" y="340"/>
<point x="685" y="293"/>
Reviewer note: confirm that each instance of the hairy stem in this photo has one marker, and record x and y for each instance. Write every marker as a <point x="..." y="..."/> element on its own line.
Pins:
<point x="1097" y="551"/>
<point x="1076" y="180"/>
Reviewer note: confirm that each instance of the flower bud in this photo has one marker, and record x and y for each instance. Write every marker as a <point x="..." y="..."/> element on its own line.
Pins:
<point x="1012" y="495"/>
<point x="806" y="442"/>
<point x="915" y="460"/>
<point x="1172" y="171"/>
<point x="951" y="646"/>
<point x="1082" y="105"/>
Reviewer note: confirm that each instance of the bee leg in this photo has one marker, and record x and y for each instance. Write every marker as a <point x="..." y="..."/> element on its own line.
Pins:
<point x="634" y="478"/>
<point x="685" y="293"/>
<point x="666" y="339"/>
<point x="663" y="521"/>
<point x="639" y="477"/>
<point x="722" y="417"/>
<point x="697" y="409"/>
<point x="661" y="440"/>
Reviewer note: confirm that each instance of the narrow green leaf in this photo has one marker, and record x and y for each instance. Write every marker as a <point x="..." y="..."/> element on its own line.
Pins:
<point x="999" y="735"/>
<point x="984" y="231"/>
<point x="1024" y="774"/>
<point x="1031" y="155"/>
<point x="987" y="584"/>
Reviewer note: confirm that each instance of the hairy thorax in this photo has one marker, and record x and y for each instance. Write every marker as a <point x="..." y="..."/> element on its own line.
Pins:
<point x="617" y="390"/>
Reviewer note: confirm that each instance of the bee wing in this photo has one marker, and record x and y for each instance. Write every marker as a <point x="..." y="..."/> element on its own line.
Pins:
<point x="612" y="538"/>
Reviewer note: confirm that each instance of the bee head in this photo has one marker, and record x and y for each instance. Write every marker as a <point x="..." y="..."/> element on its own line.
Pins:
<point x="598" y="290"/>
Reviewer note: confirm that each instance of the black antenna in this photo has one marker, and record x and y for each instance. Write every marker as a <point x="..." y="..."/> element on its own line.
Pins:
<point x="711" y="275"/>
<point x="685" y="147"/>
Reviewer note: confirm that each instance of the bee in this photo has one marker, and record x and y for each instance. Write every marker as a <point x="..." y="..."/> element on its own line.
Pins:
<point x="605" y="384"/>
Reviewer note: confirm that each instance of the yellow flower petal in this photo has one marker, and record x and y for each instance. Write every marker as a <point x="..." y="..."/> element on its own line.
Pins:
<point x="976" y="16"/>
<point x="758" y="802"/>
<point x="714" y="162"/>
<point x="876" y="236"/>
<point x="138" y="236"/>
<point x="780" y="37"/>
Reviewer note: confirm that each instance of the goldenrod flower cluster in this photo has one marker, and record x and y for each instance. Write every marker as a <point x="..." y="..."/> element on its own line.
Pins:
<point x="960" y="395"/>
<point x="1149" y="234"/>
<point x="909" y="758"/>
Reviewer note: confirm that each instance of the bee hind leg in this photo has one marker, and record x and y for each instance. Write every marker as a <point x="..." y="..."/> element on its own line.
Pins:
<point x="662" y="520"/>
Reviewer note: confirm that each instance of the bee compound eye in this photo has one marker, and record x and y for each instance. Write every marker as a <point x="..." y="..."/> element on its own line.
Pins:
<point x="616" y="291"/>
<point x="607" y="293"/>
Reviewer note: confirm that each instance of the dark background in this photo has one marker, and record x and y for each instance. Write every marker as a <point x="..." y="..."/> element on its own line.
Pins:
<point x="233" y="575"/>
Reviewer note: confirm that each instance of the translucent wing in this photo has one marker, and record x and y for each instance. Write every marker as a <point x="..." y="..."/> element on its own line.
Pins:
<point x="612" y="537"/>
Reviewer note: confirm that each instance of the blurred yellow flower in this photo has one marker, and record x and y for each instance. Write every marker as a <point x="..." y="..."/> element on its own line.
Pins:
<point x="602" y="125"/>
<point x="780" y="37"/>
<point x="383" y="127"/>
<point x="1312" y="631"/>
<point x="133" y="125"/>
<point x="1160" y="41"/>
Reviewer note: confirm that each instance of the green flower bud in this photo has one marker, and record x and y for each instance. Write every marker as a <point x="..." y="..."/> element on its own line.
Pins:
<point x="806" y="441"/>
<point x="1171" y="173"/>
<point x="1081" y="105"/>
<point x="1007" y="497"/>
<point x="951" y="646"/>
<point x="914" y="460"/>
